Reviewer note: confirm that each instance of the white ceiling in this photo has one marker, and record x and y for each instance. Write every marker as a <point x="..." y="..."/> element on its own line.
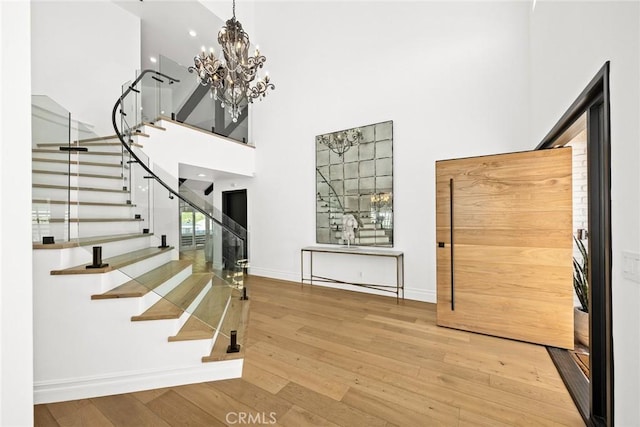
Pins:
<point x="165" y="27"/>
<point x="192" y="172"/>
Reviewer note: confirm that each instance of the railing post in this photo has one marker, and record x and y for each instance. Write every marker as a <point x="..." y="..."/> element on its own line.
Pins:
<point x="97" y="258"/>
<point x="164" y="242"/>
<point x="234" y="347"/>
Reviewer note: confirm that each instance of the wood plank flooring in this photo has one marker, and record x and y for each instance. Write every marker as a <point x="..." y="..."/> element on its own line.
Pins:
<point x="327" y="357"/>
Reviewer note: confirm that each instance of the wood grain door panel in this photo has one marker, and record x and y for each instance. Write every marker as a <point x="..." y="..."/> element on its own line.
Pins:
<point x="512" y="231"/>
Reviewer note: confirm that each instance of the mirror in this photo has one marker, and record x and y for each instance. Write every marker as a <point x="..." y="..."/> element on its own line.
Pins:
<point x="354" y="176"/>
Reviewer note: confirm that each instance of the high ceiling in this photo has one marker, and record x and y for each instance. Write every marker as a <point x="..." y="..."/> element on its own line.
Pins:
<point x="165" y="27"/>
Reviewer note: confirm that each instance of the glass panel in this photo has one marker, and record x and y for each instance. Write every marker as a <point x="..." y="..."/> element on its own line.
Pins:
<point x="187" y="239"/>
<point x="187" y="101"/>
<point x="356" y="179"/>
<point x="53" y="129"/>
<point x="128" y="189"/>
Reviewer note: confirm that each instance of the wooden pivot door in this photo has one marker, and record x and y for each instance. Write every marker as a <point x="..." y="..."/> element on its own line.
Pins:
<point x="504" y="246"/>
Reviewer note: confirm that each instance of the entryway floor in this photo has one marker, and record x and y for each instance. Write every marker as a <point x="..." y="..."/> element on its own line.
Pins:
<point x="581" y="356"/>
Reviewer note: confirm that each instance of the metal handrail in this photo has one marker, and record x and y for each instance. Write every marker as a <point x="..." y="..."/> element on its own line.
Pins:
<point x="144" y="166"/>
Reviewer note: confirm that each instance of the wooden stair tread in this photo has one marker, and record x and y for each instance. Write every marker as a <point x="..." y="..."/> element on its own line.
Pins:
<point x="139" y="133"/>
<point x="97" y="138"/>
<point x="172" y="305"/>
<point x="115" y="262"/>
<point x="106" y="143"/>
<point x="146" y="282"/>
<point x="90" y="241"/>
<point x="64" y="187"/>
<point x="75" y="162"/>
<point x="236" y="319"/>
<point x="83" y="153"/>
<point x="75" y="202"/>
<point x="207" y="315"/>
<point x="83" y="175"/>
<point x="74" y="220"/>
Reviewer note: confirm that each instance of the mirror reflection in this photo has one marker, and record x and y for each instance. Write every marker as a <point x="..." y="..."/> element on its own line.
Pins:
<point x="354" y="181"/>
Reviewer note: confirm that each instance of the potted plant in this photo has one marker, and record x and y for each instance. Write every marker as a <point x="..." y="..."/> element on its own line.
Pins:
<point x="581" y="287"/>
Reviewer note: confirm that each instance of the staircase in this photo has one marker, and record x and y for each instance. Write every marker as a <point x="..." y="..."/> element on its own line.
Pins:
<point x="368" y="234"/>
<point x="130" y="315"/>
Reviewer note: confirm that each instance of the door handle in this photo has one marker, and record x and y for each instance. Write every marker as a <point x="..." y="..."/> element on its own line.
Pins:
<point x="453" y="304"/>
<point x="441" y="244"/>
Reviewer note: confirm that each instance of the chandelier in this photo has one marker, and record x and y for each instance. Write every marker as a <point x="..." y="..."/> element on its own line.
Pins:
<point x="232" y="80"/>
<point x="340" y="142"/>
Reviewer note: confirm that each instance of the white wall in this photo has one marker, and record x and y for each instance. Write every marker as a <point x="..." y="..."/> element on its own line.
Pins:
<point x="82" y="52"/>
<point x="16" y="311"/>
<point x="569" y="43"/>
<point x="182" y="144"/>
<point x="453" y="77"/>
<point x="245" y="13"/>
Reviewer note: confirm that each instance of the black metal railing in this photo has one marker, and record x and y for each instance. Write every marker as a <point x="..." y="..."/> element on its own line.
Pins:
<point x="117" y="108"/>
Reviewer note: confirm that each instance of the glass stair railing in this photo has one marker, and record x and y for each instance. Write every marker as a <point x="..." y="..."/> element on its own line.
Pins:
<point x="182" y="99"/>
<point x="223" y="242"/>
<point x="60" y="172"/>
<point x="104" y="195"/>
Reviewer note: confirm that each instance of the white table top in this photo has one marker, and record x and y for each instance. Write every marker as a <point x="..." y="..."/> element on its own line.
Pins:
<point x="354" y="250"/>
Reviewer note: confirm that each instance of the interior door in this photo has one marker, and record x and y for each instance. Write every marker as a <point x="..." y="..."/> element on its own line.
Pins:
<point x="504" y="246"/>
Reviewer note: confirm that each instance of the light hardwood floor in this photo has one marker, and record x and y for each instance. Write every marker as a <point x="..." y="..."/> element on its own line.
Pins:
<point x="319" y="356"/>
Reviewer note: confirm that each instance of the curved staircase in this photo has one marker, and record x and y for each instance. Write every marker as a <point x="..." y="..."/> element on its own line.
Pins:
<point x="140" y="318"/>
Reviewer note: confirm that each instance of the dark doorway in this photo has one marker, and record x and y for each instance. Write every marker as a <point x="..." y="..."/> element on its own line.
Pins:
<point x="594" y="398"/>
<point x="234" y="205"/>
<point x="234" y="208"/>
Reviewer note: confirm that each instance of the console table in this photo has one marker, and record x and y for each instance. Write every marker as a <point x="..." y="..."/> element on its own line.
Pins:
<point x="357" y="251"/>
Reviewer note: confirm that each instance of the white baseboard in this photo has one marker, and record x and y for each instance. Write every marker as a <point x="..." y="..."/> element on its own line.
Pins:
<point x="412" y="294"/>
<point x="420" y="295"/>
<point x="127" y="382"/>
<point x="275" y="274"/>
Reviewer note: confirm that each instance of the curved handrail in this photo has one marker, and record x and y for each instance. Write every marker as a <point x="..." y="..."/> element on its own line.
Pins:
<point x="332" y="189"/>
<point x="144" y="166"/>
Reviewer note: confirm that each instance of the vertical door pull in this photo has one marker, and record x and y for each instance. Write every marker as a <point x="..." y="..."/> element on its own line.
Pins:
<point x="453" y="304"/>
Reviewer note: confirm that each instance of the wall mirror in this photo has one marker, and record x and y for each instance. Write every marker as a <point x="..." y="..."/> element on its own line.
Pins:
<point x="354" y="177"/>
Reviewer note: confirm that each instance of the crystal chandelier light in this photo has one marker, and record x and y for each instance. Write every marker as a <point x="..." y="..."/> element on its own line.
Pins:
<point x="340" y="142"/>
<point x="233" y="80"/>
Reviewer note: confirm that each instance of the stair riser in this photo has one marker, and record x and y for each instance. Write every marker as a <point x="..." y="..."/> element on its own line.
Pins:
<point x="84" y="195"/>
<point x="154" y="296"/>
<point x="194" y="304"/>
<point x="84" y="211"/>
<point x="116" y="149"/>
<point x="79" y="181"/>
<point x="141" y="267"/>
<point x="84" y="157"/>
<point x="370" y="226"/>
<point x="92" y="229"/>
<point x="371" y="233"/>
<point x="111" y="249"/>
<point x="116" y="169"/>
<point x="369" y="240"/>
<point x="59" y="230"/>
